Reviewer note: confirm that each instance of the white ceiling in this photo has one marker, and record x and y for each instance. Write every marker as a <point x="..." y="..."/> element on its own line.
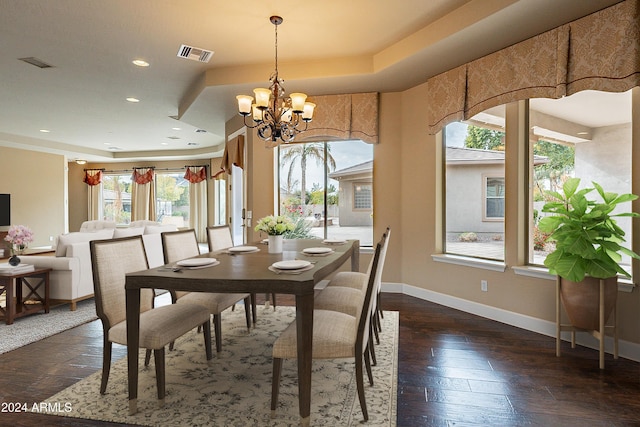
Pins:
<point x="324" y="47"/>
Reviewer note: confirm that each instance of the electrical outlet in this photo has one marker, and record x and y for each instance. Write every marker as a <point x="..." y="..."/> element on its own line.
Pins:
<point x="484" y="286"/>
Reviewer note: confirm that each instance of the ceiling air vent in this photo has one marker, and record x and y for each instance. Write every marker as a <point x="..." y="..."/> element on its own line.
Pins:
<point x="194" y="53"/>
<point x="35" y="61"/>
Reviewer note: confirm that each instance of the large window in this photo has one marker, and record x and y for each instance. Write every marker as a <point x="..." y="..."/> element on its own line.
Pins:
<point x="594" y="145"/>
<point x="116" y="198"/>
<point x="475" y="186"/>
<point x="172" y="198"/>
<point x="337" y="178"/>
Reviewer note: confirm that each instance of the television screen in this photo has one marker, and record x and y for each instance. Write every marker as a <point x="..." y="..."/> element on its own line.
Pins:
<point x="5" y="209"/>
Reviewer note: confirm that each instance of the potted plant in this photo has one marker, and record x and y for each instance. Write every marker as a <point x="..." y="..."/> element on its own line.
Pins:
<point x="275" y="227"/>
<point x="588" y="248"/>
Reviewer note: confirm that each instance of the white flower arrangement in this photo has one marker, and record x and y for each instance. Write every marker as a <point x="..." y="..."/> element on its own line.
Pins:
<point x="275" y="225"/>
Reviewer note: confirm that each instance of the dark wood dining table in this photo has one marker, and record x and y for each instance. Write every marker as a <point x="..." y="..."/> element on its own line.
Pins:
<point x="245" y="273"/>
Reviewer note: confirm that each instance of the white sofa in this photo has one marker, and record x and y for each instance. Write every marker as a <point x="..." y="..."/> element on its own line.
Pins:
<point x="71" y="278"/>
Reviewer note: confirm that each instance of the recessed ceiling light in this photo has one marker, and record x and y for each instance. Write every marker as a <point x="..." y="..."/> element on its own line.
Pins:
<point x="583" y="133"/>
<point x="201" y="131"/>
<point x="45" y="130"/>
<point x="164" y="143"/>
<point x="176" y="128"/>
<point x="131" y="99"/>
<point x="192" y="143"/>
<point x="140" y="63"/>
<point x="81" y="161"/>
<point x="106" y="143"/>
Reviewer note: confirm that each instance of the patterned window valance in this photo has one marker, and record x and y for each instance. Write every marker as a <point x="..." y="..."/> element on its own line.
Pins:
<point x="142" y="178"/>
<point x="599" y="52"/>
<point x="233" y="155"/>
<point x="92" y="177"/>
<point x="195" y="175"/>
<point x="347" y="116"/>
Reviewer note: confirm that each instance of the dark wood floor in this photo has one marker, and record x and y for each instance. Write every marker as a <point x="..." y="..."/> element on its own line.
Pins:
<point x="454" y="369"/>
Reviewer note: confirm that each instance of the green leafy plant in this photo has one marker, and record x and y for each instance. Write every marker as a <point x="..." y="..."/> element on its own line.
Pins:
<point x="586" y="234"/>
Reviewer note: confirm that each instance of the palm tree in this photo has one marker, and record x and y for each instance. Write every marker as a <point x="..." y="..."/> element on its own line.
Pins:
<point x="302" y="153"/>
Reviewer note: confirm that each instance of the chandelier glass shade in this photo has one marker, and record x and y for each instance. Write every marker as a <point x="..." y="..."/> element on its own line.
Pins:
<point x="277" y="118"/>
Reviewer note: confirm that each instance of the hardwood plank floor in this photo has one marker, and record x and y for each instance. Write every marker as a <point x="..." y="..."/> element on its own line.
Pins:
<point x="454" y="369"/>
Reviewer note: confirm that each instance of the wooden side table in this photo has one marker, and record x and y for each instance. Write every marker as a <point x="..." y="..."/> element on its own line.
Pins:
<point x="19" y="305"/>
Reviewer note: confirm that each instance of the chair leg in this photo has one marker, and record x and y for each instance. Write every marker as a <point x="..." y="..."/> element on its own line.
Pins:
<point x="206" y="331"/>
<point x="367" y="363"/>
<point x="375" y="328"/>
<point x="378" y="308"/>
<point x="247" y="311"/>
<point x="360" y="386"/>
<point x="275" y="384"/>
<point x="158" y="358"/>
<point x="273" y="301"/>
<point x="371" y="349"/>
<point x="147" y="357"/>
<point x="217" y="327"/>
<point x="106" y="364"/>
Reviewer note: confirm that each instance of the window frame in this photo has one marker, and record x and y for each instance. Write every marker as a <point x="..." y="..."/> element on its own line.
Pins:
<point x="485" y="198"/>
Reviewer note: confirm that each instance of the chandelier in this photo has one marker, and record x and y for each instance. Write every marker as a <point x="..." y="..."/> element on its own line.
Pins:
<point x="277" y="119"/>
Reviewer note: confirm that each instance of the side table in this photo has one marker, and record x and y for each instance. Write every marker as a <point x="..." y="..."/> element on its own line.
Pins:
<point x="19" y="305"/>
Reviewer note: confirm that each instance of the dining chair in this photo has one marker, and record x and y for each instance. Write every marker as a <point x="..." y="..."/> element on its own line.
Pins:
<point x="183" y="244"/>
<point x="111" y="260"/>
<point x="357" y="280"/>
<point x="219" y="237"/>
<point x="336" y="335"/>
<point x="346" y="295"/>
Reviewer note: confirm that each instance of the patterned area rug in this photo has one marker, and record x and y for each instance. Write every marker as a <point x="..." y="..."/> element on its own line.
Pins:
<point x="235" y="388"/>
<point x="37" y="326"/>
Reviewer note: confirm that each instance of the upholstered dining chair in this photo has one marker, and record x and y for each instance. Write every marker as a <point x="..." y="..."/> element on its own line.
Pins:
<point x="219" y="238"/>
<point x="344" y="293"/>
<point x="357" y="280"/>
<point x="336" y="335"/>
<point x="183" y="244"/>
<point x="111" y="260"/>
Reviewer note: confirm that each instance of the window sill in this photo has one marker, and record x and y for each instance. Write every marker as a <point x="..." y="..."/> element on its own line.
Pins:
<point x="470" y="262"/>
<point x="624" y="285"/>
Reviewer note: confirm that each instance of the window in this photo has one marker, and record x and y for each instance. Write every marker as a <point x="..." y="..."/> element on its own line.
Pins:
<point x="116" y="198"/>
<point x="172" y="198"/>
<point x="337" y="178"/>
<point x="596" y="147"/>
<point x="362" y="195"/>
<point x="475" y="187"/>
<point x="494" y="199"/>
<point x="220" y="201"/>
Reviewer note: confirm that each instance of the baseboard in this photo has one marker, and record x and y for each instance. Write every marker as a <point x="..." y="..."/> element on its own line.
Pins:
<point x="626" y="349"/>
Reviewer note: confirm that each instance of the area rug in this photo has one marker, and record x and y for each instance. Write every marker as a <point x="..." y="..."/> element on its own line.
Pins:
<point x="234" y="389"/>
<point x="37" y="326"/>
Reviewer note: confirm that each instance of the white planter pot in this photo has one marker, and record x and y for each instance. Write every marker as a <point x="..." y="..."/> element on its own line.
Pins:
<point x="275" y="244"/>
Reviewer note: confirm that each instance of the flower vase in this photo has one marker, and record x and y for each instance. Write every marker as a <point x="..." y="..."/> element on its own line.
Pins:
<point x="14" y="260"/>
<point x="275" y="244"/>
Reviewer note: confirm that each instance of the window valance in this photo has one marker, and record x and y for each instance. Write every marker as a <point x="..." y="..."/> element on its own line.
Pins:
<point x="233" y="155"/>
<point x="599" y="52"/>
<point x="346" y="116"/>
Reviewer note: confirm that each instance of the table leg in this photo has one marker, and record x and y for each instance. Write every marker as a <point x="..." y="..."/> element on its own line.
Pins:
<point x="47" y="300"/>
<point x="9" y="309"/>
<point x="133" y="340"/>
<point x="304" y="325"/>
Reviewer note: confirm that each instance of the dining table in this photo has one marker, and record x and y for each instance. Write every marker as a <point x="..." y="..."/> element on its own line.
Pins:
<point x="248" y="271"/>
